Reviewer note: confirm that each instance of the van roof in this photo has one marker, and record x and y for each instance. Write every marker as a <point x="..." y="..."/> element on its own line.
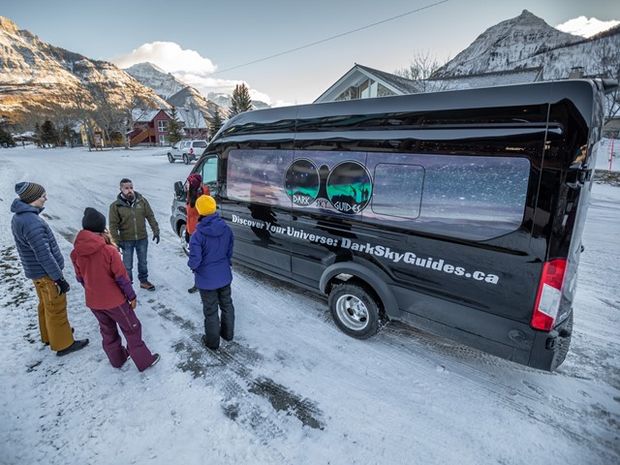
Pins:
<point x="580" y="92"/>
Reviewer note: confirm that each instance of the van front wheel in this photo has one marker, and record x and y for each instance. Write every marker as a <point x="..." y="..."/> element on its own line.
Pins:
<point x="354" y="310"/>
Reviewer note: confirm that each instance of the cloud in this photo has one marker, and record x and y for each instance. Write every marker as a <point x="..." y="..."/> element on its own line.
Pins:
<point x="169" y="56"/>
<point x="586" y="27"/>
<point x="187" y="66"/>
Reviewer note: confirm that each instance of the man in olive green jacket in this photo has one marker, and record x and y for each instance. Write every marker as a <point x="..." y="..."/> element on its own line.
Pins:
<point x="127" y="218"/>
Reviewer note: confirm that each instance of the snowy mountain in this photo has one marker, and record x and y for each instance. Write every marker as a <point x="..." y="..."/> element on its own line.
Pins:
<point x="223" y="100"/>
<point x="164" y="84"/>
<point x="527" y="41"/>
<point x="38" y="77"/>
<point x="174" y="91"/>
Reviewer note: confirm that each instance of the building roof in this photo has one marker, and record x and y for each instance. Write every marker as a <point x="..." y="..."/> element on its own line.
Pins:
<point x="358" y="73"/>
<point x="191" y="119"/>
<point x="407" y="86"/>
<point x="496" y="78"/>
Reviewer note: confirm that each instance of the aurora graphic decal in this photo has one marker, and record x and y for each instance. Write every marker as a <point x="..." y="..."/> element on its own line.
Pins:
<point x="347" y="187"/>
<point x="302" y="182"/>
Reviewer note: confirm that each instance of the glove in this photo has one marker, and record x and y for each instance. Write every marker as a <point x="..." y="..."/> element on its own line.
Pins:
<point x="156" y="238"/>
<point x="133" y="303"/>
<point x="63" y="286"/>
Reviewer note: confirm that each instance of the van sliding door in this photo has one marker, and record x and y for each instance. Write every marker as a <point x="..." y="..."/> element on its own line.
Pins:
<point x="258" y="208"/>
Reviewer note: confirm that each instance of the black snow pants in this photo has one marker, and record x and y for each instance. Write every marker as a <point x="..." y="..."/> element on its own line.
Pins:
<point x="213" y="327"/>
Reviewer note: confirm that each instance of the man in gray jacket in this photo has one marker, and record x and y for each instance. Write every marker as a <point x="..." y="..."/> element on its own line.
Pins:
<point x="43" y="263"/>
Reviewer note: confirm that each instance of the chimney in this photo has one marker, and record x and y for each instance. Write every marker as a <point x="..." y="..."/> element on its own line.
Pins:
<point x="576" y="72"/>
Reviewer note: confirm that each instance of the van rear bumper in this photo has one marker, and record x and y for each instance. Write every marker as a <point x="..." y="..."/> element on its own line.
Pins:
<point x="549" y="349"/>
<point x="494" y="334"/>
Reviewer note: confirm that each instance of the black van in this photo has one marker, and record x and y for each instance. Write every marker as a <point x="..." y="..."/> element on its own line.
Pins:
<point x="460" y="213"/>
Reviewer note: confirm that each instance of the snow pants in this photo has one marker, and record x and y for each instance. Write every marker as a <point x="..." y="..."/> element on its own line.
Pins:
<point x="214" y="328"/>
<point x="123" y="317"/>
<point x="53" y="322"/>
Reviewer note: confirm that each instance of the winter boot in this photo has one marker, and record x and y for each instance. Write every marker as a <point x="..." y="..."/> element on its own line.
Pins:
<point x="77" y="345"/>
<point x="147" y="285"/>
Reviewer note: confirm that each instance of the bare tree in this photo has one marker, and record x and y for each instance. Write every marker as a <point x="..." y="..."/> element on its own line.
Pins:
<point x="83" y="111"/>
<point x="421" y="69"/>
<point x="608" y="60"/>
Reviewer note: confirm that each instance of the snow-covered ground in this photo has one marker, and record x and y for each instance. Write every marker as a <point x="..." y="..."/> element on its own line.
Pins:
<point x="291" y="389"/>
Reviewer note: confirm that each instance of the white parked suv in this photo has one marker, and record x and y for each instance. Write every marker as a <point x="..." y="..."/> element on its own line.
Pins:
<point x="186" y="150"/>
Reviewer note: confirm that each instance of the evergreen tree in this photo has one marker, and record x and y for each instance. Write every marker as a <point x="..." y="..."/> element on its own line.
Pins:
<point x="49" y="135"/>
<point x="37" y="134"/>
<point x="6" y="140"/>
<point x="175" y="127"/>
<point x="216" y="123"/>
<point x="240" y="100"/>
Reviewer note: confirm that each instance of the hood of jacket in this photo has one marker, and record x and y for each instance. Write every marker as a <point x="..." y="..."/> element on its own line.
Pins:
<point x="87" y="243"/>
<point x="20" y="207"/>
<point x="124" y="203"/>
<point x="212" y="225"/>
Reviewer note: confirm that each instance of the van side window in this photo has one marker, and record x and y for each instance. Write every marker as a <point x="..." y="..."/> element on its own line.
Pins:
<point x="208" y="171"/>
<point x="469" y="197"/>
<point x="258" y="176"/>
<point x="397" y="190"/>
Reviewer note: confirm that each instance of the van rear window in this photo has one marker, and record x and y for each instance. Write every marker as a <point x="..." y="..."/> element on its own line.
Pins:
<point x="464" y="196"/>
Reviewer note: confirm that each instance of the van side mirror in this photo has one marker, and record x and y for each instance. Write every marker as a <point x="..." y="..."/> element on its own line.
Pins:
<point x="179" y="192"/>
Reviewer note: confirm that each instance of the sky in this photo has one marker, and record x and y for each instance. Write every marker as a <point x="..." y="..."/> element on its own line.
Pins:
<point x="199" y="41"/>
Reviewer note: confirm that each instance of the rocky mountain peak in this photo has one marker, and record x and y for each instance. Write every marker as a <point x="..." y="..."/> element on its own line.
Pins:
<point x="8" y="26"/>
<point x="507" y="45"/>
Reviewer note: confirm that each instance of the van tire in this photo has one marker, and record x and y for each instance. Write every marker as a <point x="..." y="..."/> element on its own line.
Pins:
<point x="354" y="310"/>
<point x="185" y="159"/>
<point x="170" y="158"/>
<point x="184" y="243"/>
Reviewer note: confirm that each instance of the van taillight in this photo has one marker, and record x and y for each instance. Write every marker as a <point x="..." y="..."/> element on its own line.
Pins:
<point x="549" y="294"/>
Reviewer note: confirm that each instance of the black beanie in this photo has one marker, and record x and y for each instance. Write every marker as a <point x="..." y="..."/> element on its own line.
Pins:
<point x="93" y="220"/>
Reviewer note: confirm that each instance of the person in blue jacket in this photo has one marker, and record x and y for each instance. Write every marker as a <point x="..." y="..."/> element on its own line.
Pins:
<point x="210" y="258"/>
<point x="43" y="263"/>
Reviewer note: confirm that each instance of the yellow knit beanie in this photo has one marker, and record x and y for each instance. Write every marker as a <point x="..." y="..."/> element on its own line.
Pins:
<point x="205" y="205"/>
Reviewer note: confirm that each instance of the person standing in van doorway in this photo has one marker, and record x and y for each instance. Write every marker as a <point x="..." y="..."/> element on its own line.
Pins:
<point x="193" y="189"/>
<point x="210" y="258"/>
<point x="109" y="294"/>
<point x="43" y="263"/>
<point x="127" y="217"/>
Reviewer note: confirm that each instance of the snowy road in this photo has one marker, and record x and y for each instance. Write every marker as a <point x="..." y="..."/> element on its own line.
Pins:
<point x="292" y="388"/>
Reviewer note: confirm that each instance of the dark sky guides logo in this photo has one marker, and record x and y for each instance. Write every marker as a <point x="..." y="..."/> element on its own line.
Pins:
<point x="349" y="187"/>
<point x="302" y="182"/>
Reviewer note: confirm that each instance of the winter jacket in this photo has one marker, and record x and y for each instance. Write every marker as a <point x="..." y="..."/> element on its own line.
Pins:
<point x="99" y="267"/>
<point x="36" y="244"/>
<point x="210" y="253"/>
<point x="192" y="213"/>
<point x="127" y="219"/>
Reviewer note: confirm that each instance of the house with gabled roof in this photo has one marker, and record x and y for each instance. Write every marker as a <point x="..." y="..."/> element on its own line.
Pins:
<point x="151" y="126"/>
<point x="365" y="82"/>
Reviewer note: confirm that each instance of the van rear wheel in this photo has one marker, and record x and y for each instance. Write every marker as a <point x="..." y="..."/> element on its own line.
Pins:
<point x="170" y="158"/>
<point x="185" y="159"/>
<point x="354" y="310"/>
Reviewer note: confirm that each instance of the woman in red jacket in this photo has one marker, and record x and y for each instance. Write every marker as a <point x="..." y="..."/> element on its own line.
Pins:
<point x="109" y="294"/>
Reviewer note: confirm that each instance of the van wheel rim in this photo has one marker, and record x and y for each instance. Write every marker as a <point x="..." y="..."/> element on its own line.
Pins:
<point x="352" y="312"/>
<point x="184" y="244"/>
